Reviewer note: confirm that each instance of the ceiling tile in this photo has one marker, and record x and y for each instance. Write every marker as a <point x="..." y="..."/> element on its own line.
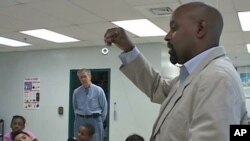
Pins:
<point x="110" y="9"/>
<point x="231" y="22"/>
<point x="242" y="5"/>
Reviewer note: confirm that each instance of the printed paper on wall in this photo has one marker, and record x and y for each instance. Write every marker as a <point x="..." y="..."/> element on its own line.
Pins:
<point x="32" y="93"/>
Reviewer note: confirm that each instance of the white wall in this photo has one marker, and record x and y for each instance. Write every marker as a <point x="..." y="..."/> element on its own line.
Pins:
<point x="135" y="113"/>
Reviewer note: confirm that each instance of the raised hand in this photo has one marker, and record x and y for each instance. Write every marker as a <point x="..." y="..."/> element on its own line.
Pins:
<point x="119" y="37"/>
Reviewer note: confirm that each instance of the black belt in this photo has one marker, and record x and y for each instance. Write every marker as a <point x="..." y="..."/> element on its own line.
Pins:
<point x="95" y="115"/>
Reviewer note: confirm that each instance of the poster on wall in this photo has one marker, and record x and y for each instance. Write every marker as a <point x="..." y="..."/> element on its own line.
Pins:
<point x="32" y="93"/>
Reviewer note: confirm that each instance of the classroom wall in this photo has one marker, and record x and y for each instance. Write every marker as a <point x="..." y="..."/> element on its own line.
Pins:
<point x="135" y="112"/>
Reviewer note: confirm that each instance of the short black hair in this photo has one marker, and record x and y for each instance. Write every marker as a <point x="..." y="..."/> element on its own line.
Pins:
<point x="20" y="117"/>
<point x="90" y="127"/>
<point x="14" y="134"/>
<point x="134" y="137"/>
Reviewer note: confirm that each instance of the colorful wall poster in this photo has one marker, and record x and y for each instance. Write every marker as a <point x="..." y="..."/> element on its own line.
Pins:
<point x="32" y="93"/>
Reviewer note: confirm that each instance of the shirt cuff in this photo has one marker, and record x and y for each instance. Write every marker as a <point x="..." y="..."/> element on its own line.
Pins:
<point x="127" y="57"/>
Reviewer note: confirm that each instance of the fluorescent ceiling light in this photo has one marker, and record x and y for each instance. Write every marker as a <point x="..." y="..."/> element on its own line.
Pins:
<point x="141" y="27"/>
<point x="11" y="42"/>
<point x="244" y="18"/>
<point x="49" y="35"/>
<point x="248" y="48"/>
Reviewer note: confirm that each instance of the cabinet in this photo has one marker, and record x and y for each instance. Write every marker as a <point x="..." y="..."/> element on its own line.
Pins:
<point x="1" y="129"/>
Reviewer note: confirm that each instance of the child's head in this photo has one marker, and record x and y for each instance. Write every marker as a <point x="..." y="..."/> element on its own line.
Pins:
<point x="17" y="123"/>
<point x="20" y="136"/>
<point x="86" y="132"/>
<point x="134" y="137"/>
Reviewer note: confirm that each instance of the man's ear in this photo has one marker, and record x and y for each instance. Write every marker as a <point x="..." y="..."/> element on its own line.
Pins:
<point x="201" y="29"/>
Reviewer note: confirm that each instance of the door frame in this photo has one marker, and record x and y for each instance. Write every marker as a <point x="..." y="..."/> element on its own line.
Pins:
<point x="74" y="83"/>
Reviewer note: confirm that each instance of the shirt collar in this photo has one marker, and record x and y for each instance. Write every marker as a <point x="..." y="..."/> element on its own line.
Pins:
<point x="85" y="89"/>
<point x="193" y="63"/>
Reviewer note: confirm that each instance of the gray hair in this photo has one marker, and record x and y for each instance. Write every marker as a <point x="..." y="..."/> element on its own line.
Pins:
<point x="84" y="70"/>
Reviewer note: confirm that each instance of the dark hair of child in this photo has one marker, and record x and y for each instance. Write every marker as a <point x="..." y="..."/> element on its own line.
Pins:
<point x="91" y="129"/>
<point x="14" y="134"/>
<point x="134" y="137"/>
<point x="20" y="117"/>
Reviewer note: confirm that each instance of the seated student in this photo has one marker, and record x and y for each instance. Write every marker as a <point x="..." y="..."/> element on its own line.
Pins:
<point x="20" y="136"/>
<point x="85" y="133"/>
<point x="18" y="124"/>
<point x="134" y="137"/>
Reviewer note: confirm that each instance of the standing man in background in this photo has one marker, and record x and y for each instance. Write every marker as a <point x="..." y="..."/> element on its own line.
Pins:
<point x="207" y="97"/>
<point x="90" y="105"/>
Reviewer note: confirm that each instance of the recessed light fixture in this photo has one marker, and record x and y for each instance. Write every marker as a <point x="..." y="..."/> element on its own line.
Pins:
<point x="141" y="27"/>
<point x="248" y="48"/>
<point x="12" y="43"/>
<point x="244" y="18"/>
<point x="49" y="35"/>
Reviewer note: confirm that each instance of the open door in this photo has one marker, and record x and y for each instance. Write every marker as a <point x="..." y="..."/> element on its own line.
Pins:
<point x="100" y="77"/>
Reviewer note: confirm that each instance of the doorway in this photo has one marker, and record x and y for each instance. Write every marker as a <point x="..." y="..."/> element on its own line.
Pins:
<point x="100" y="77"/>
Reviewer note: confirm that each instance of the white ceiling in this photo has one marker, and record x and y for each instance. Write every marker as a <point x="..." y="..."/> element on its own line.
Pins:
<point x="87" y="20"/>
